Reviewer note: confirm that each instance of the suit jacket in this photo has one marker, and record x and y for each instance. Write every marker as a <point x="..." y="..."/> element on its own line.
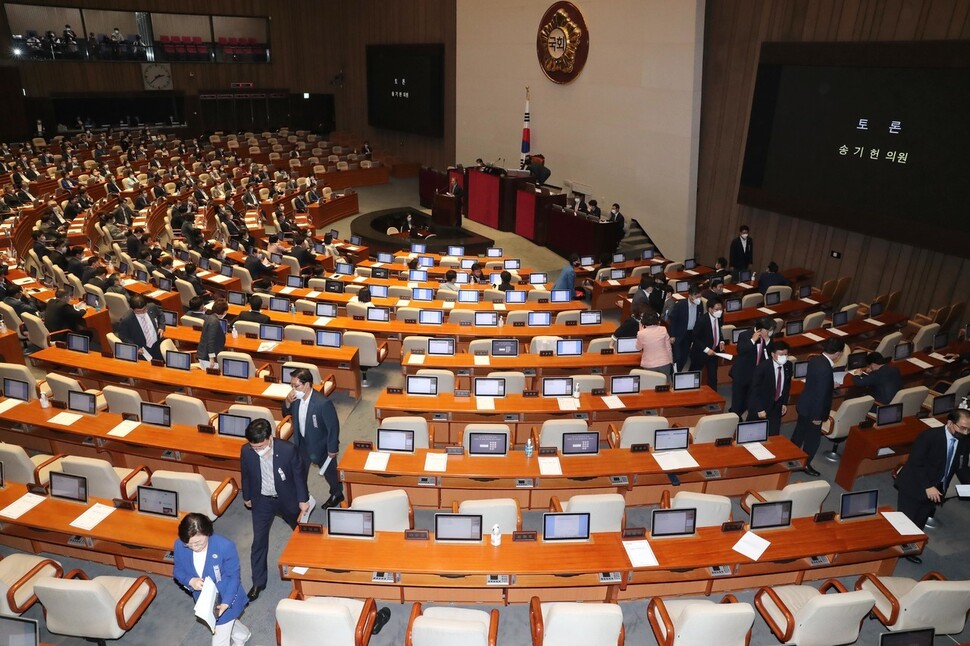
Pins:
<point x="741" y="257"/>
<point x="253" y="317"/>
<point x="322" y="433"/>
<point x="304" y="257"/>
<point x="133" y="246"/>
<point x="76" y="266"/>
<point x="746" y="358"/>
<point x="761" y="395"/>
<point x="927" y="462"/>
<point x="704" y="334"/>
<point x="256" y="267"/>
<point x="212" y="340"/>
<point x="222" y="566"/>
<point x="640" y="297"/>
<point x="61" y="315"/>
<point x="679" y="320"/>
<point x="299" y="204"/>
<point x="883" y="384"/>
<point x="770" y="279"/>
<point x="815" y="402"/>
<point x="288" y="475"/>
<point x="130" y="330"/>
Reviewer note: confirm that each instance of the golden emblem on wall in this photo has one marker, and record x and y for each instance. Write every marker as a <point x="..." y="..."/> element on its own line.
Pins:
<point x="562" y="42"/>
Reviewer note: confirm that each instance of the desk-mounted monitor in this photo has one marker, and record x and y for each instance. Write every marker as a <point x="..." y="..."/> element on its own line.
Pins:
<point x="857" y="360"/>
<point x="328" y="339"/>
<point x="839" y="319"/>
<point x="328" y="310"/>
<point x="460" y="528"/>
<point x="505" y="348"/>
<point x="422" y="294"/>
<point x="942" y="404"/>
<point x="156" y="414"/>
<point x="295" y="282"/>
<point x="889" y="414"/>
<point x="235" y="368"/>
<point x="582" y="443"/>
<point x="626" y="345"/>
<point x="395" y="440"/>
<point x="538" y="278"/>
<point x="732" y="305"/>
<point x="805" y="291"/>
<point x="565" y="526"/>
<point x="378" y="291"/>
<point x="514" y="297"/>
<point x="493" y="252"/>
<point x="590" y="317"/>
<point x="269" y="332"/>
<point x="488" y="444"/>
<point x="279" y="304"/>
<point x="794" y="327"/>
<point x="467" y="263"/>
<point x="753" y="431"/>
<point x="378" y="314"/>
<point x="159" y="502"/>
<point x="859" y="504"/>
<point x="421" y="385"/>
<point x="875" y="309"/>
<point x="126" y="351"/>
<point x="489" y="387"/>
<point x="569" y="347"/>
<point x="512" y="264"/>
<point x="66" y="486"/>
<point x="656" y="270"/>
<point x="444" y="347"/>
<point x="772" y="298"/>
<point x="540" y="319"/>
<point x="624" y="384"/>
<point x="19" y="389"/>
<point x="915" y="637"/>
<point x="903" y="350"/>
<point x="557" y="386"/>
<point x="456" y="251"/>
<point x="671" y="439"/>
<point x="78" y="343"/>
<point x="425" y="261"/>
<point x="431" y="317"/>
<point x="82" y="402"/>
<point x="233" y="425"/>
<point x="417" y="275"/>
<point x="350" y="523"/>
<point x="673" y="523"/>
<point x="800" y="369"/>
<point x="486" y="319"/>
<point x="385" y="258"/>
<point x="178" y="360"/>
<point x="681" y="286"/>
<point x="687" y="380"/>
<point x="617" y="274"/>
<point x="419" y="247"/>
<point x="560" y="295"/>
<point x="237" y="298"/>
<point x="469" y="295"/>
<point x="770" y="515"/>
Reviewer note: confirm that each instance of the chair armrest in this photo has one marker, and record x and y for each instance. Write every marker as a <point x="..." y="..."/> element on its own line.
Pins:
<point x="264" y="367"/>
<point x="493" y="627"/>
<point x="46" y="463"/>
<point x="416" y="611"/>
<point x="29" y="578"/>
<point x="329" y="384"/>
<point x="382" y="352"/>
<point x="51" y="335"/>
<point x="431" y="435"/>
<point x="665" y="499"/>
<point x="782" y="635"/>
<point x="365" y="623"/>
<point x="77" y="573"/>
<point x="283" y="422"/>
<point x="129" y="622"/>
<point x="613" y="436"/>
<point x="518" y="515"/>
<point x="454" y="506"/>
<point x="832" y="583"/>
<point x="751" y="492"/>
<point x="127" y="479"/>
<point x="215" y="416"/>
<point x="831" y="429"/>
<point x="554" y="504"/>
<point x="933" y="576"/>
<point x="884" y="591"/>
<point x="535" y="439"/>
<point x="410" y="515"/>
<point x="535" y="621"/>
<point x="216" y="508"/>
<point x="657" y="612"/>
<point x="728" y="598"/>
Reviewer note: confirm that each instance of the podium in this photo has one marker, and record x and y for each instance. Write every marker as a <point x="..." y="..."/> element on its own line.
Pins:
<point x="568" y="232"/>
<point x="430" y="181"/>
<point x="491" y="197"/>
<point x="532" y="206"/>
<point x="446" y="210"/>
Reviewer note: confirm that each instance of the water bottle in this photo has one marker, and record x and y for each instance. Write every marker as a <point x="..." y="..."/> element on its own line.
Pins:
<point x="501" y="322"/>
<point x="575" y="390"/>
<point x="496" y="535"/>
<point x="3" y="326"/>
<point x="292" y="308"/>
<point x="528" y="448"/>
<point x="44" y="402"/>
<point x="235" y="332"/>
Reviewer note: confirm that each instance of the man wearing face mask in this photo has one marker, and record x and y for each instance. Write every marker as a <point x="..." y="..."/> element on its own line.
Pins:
<point x="751" y="350"/>
<point x="771" y="388"/>
<point x="742" y="251"/>
<point x="316" y="430"/>
<point x="212" y="340"/>
<point x="815" y="402"/>
<point x="683" y="319"/>
<point x="707" y="341"/>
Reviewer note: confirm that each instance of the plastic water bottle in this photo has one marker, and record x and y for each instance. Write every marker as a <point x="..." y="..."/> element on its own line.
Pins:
<point x="3" y="326"/>
<point x="235" y="332"/>
<point x="575" y="390"/>
<point x="44" y="402"/>
<point x="496" y="535"/>
<point x="292" y="308"/>
<point x="501" y="322"/>
<point x="529" y="448"/>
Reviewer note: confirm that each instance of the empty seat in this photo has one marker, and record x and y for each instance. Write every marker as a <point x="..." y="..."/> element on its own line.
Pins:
<point x="104" y="480"/>
<point x="607" y="511"/>
<point x="444" y="626"/>
<point x="711" y="428"/>
<point x="806" y="497"/>
<point x="800" y="614"/>
<point x="700" y="622"/>
<point x="423" y="436"/>
<point x="196" y="494"/>
<point x="712" y="510"/>
<point x="105" y="607"/>
<point x="636" y="429"/>
<point x="19" y="467"/>
<point x="903" y="603"/>
<point x="345" y="622"/>
<point x="837" y="426"/>
<point x="503" y="512"/>
<point x="392" y="510"/>
<point x="576" y="624"/>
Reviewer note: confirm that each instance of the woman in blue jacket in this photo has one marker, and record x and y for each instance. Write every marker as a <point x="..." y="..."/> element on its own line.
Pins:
<point x="200" y="554"/>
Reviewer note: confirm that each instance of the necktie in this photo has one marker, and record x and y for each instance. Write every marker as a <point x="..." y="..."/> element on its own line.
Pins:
<point x="714" y="332"/>
<point x="757" y="357"/>
<point x="778" y="383"/>
<point x="951" y="449"/>
<point x="148" y="329"/>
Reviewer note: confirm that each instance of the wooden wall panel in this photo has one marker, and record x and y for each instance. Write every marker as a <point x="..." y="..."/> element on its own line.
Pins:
<point x="735" y="30"/>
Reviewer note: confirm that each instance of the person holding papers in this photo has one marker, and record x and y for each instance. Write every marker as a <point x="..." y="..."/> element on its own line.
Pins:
<point x="752" y="348"/>
<point x="770" y="388"/>
<point x="200" y="555"/>
<point x="316" y="430"/>
<point x="815" y="403"/>
<point x="143" y="325"/>
<point x="708" y="341"/>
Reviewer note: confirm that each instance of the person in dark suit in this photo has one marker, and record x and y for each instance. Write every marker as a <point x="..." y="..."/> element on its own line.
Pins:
<point x="770" y="278"/>
<point x="645" y="294"/>
<point x="708" y="340"/>
<point x="212" y="340"/>
<point x="273" y="484"/>
<point x="300" y="252"/>
<point x="938" y="454"/>
<point x="219" y="562"/>
<point x="880" y="378"/>
<point x="133" y="242"/>
<point x="683" y="318"/>
<point x="751" y="350"/>
<point x="253" y="315"/>
<point x="141" y="201"/>
<point x="144" y="326"/>
<point x="815" y="402"/>
<point x="111" y="185"/>
<point x="19" y="302"/>
<point x="316" y="430"/>
<point x="741" y="253"/>
<point x="75" y="262"/>
<point x="257" y="270"/>
<point x="189" y="276"/>
<point x="61" y="315"/>
<point x="771" y="388"/>
<point x="299" y="204"/>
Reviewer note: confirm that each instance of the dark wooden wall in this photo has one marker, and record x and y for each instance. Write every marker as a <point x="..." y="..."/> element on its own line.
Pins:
<point x="735" y="30"/>
<point x="311" y="41"/>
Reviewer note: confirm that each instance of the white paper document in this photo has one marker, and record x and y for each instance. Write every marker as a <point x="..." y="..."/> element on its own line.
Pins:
<point x="205" y="606"/>
<point x="220" y="279"/>
<point x="313" y="294"/>
<point x="481" y="360"/>
<point x="690" y="272"/>
<point x="286" y="290"/>
<point x="567" y="403"/>
<point x="22" y="505"/>
<point x="267" y="346"/>
<point x="8" y="403"/>
<point x="812" y="336"/>
<point x="65" y="419"/>
<point x="377" y="461"/>
<point x="323" y="321"/>
<point x="403" y="302"/>
<point x="810" y="301"/>
<point x="932" y="422"/>
<point x="485" y="403"/>
<point x="91" y="517"/>
<point x="436" y="462"/>
<point x="837" y="332"/>
<point x="640" y="554"/>
<point x="745" y="285"/>
<point x="615" y="283"/>
<point x="613" y="402"/>
<point x="725" y="356"/>
<point x="941" y="357"/>
<point x="963" y="490"/>
<point x="359" y="279"/>
<point x="872" y="321"/>
<point x="22" y="281"/>
<point x="310" y="505"/>
<point x="550" y="466"/>
<point x="277" y="390"/>
<point x="902" y="524"/>
<point x="416" y="359"/>
<point x="919" y="363"/>
<point x="499" y="306"/>
<point x="751" y="545"/>
<point x="124" y="428"/>
<point x="448" y="305"/>
<point x="158" y="293"/>
<point x="671" y="460"/>
<point x="758" y="450"/>
<point x="299" y="569"/>
<point x="884" y="451"/>
<point x="766" y="310"/>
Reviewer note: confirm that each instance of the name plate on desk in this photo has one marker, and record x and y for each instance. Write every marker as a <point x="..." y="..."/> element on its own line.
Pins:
<point x="121" y="503"/>
<point x="548" y="450"/>
<point x="252" y="335"/>
<point x="543" y="300"/>
<point x="518" y="324"/>
<point x="524" y="537"/>
<point x="158" y="363"/>
<point x="662" y="389"/>
<point x="454" y="450"/>
<point x="129" y="417"/>
<point x="357" y="317"/>
<point x="416" y="535"/>
<point x="598" y="392"/>
<point x="362" y="445"/>
<point x="607" y="351"/>
<point x="640" y="447"/>
<point x="212" y="371"/>
<point x="58" y="404"/>
<point x="571" y="323"/>
<point x="107" y="354"/>
<point x="481" y="353"/>
<point x="634" y="532"/>
<point x="462" y="393"/>
<point x="465" y="323"/>
<point x="270" y="379"/>
<point x="545" y="353"/>
<point x="723" y="441"/>
<point x="530" y="393"/>
<point x="206" y="428"/>
<point x="36" y="489"/>
<point x="306" y="342"/>
<point x="732" y="526"/>
<point x="411" y="321"/>
<point x="395" y="391"/>
<point x="824" y="516"/>
<point x="309" y="528"/>
<point x="60" y="345"/>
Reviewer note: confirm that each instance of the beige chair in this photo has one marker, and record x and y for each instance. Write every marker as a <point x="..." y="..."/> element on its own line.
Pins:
<point x="514" y="380"/>
<point x="711" y="428"/>
<point x="541" y="343"/>
<point x="186" y="291"/>
<point x="784" y="290"/>
<point x="564" y="317"/>
<point x="504" y="512"/>
<point x="18" y="575"/>
<point x="607" y="511"/>
<point x="752" y="300"/>
<point x="960" y="388"/>
<point x="485" y="428"/>
<point x="26" y="469"/>
<point x="700" y="622"/>
<point x="836" y="427"/>
<point x="105" y="607"/>
<point x="104" y="480"/>
<point x="636" y="429"/>
<point x="649" y="379"/>
<point x="446" y="379"/>
<point x="800" y="614"/>
<point x="596" y="346"/>
<point x="187" y="411"/>
<point x="447" y="625"/>
<point x="122" y="400"/>
<point x="196" y="494"/>
<point x="903" y="603"/>
<point x="345" y="622"/>
<point x="21" y="372"/>
<point x="912" y="399"/>
<point x="246" y="327"/>
<point x="806" y="497"/>
<point x="459" y="317"/>
<point x="392" y="510"/>
<point x="423" y="432"/>
<point x="887" y="344"/>
<point x="552" y="430"/>
<point x="37" y="333"/>
<point x="564" y="623"/>
<point x="586" y="383"/>
<point x="61" y="385"/>
<point x="117" y="306"/>
<point x="813" y="321"/>
<point x="13" y="321"/>
<point x="299" y="333"/>
<point x="923" y="338"/>
<point x="260" y="372"/>
<point x="370" y="354"/>
<point x="712" y="510"/>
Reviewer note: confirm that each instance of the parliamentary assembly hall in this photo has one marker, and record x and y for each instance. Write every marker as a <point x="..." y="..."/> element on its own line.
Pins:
<point x="478" y="323"/>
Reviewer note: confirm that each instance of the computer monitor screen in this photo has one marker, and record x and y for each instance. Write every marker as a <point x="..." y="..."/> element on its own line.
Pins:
<point x="456" y="251"/>
<point x="737" y="332"/>
<point x="422" y="294"/>
<point x="82" y="402"/>
<point x="431" y="317"/>
<point x="647" y="254"/>
<point x="626" y="345"/>
<point x="458" y="527"/>
<point x="334" y="287"/>
<point x="354" y="240"/>
<point x="17" y="389"/>
<point x="839" y="319"/>
<point x="624" y="384"/>
<point x="538" y="279"/>
<point x="565" y="527"/>
<point x="495" y="277"/>
<point x="617" y="274"/>
<point x="666" y="523"/>
<point x="915" y="637"/>
<point x="286" y="373"/>
<point x="393" y="439"/>
<point x="690" y="263"/>
<point x="941" y="340"/>
<point x="687" y="380"/>
<point x="417" y="275"/>
<point x="205" y="264"/>
<point x="141" y="275"/>
<point x="587" y="261"/>
<point x="875" y="309"/>
<point x="165" y="284"/>
<point x="512" y="296"/>
<point x="857" y="360"/>
<point x="68" y="487"/>
<point x="385" y="257"/>
<point x="78" y="343"/>
<point x="467" y="263"/>
<point x="156" y="414"/>
<point x="277" y="304"/>
<point x="420" y="385"/>
<point x="237" y="298"/>
<point x="355" y="523"/>
<point x="732" y="305"/>
<point x="805" y="291"/>
<point x="269" y="332"/>
<point x="425" y="261"/>
<point x="123" y="268"/>
<point x="417" y="247"/>
<point x="328" y="310"/>
<point x="754" y="431"/>
<point x="335" y="234"/>
<point x="235" y="368"/>
<point x="226" y="271"/>
<point x="486" y="318"/>
<point x="769" y="515"/>
<point x="584" y="443"/>
<point x="744" y="276"/>
<point x="92" y="300"/>
<point x="889" y="414"/>
<point x="162" y="502"/>
<point x="619" y="257"/>
<point x="379" y="314"/>
<point x="858" y="504"/>
<point x="328" y="339"/>
<point x="505" y="347"/>
<point x="569" y="347"/>
<point x="512" y="263"/>
<point x="490" y="444"/>
<point x="461" y="278"/>
<point x="378" y="291"/>
<point x="793" y="327"/>
<point x="296" y="282"/>
<point x="772" y="298"/>
<point x="490" y="387"/>
<point x="590" y="317"/>
<point x="126" y="351"/>
<point x="170" y="317"/>
<point x="233" y="425"/>
<point x="560" y="296"/>
<point x="540" y="319"/>
<point x="656" y="270"/>
<point x="19" y="631"/>
<point x="276" y="258"/>
<point x="800" y="369"/>
<point x="441" y="347"/>
<point x="344" y="268"/>
<point x="468" y="295"/>
<point x="178" y="360"/>
<point x="493" y="252"/>
<point x="670" y="439"/>
<point x="681" y="286"/>
<point x="942" y="404"/>
<point x="903" y="350"/>
<point x="557" y="386"/>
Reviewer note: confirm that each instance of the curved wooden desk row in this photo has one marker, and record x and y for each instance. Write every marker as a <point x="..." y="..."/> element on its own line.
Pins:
<point x="430" y="571"/>
<point x="464" y="364"/>
<point x="864" y="452"/>
<point x="177" y="448"/>
<point x="125" y="539"/>
<point x="523" y="413"/>
<point x="726" y="471"/>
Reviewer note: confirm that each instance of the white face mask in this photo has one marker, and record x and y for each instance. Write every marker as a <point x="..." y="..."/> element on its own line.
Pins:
<point x="614" y="211"/>
<point x="744" y="236"/>
<point x="782" y="359"/>
<point x="299" y="394"/>
<point x="263" y="451"/>
<point x="717" y="313"/>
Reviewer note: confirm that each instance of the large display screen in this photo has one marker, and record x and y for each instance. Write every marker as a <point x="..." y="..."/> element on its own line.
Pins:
<point x="405" y="88"/>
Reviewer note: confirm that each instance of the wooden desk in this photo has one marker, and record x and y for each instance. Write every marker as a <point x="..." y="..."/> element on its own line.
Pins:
<point x="11" y="350"/>
<point x="522" y="414"/>
<point x="532" y="365"/>
<point x="430" y="571"/>
<point x="861" y="453"/>
<point x="98" y="321"/>
<point x="125" y="539"/>
<point x="323" y="214"/>
<point x="358" y="177"/>
<point x="605" y="292"/>
<point x="795" y="308"/>
<point x="470" y="477"/>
